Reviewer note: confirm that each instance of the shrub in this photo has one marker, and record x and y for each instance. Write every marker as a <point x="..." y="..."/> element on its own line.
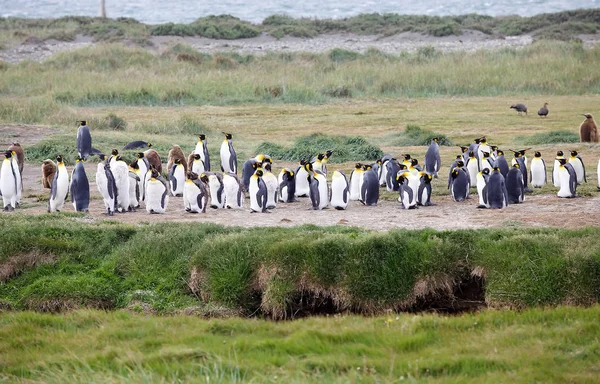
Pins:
<point x="116" y="123"/>
<point x="339" y="55"/>
<point x="552" y="137"/>
<point x="415" y="135"/>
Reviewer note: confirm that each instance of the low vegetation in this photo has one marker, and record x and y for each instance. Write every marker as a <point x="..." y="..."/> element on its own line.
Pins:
<point x="284" y="273"/>
<point x="552" y="137"/>
<point x="415" y="135"/>
<point x="540" y="345"/>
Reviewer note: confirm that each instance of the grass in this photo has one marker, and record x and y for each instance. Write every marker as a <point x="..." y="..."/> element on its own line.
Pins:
<point x="415" y="135"/>
<point x="539" y="345"/>
<point x="553" y="137"/>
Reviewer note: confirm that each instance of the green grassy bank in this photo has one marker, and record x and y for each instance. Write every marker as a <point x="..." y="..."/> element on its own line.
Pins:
<point x="540" y="345"/>
<point x="57" y="262"/>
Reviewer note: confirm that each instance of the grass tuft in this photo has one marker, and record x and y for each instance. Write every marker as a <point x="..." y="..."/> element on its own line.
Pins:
<point x="415" y="135"/>
<point x="552" y="137"/>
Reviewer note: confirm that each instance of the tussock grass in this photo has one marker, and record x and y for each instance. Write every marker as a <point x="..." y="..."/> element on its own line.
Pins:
<point x="345" y="149"/>
<point x="415" y="135"/>
<point x="552" y="137"/>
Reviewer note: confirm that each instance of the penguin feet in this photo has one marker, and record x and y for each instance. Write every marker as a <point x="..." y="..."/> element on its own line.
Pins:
<point x="188" y="209"/>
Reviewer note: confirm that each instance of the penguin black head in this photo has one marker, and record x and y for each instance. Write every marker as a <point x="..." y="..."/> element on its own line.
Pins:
<point x="140" y="155"/>
<point x="471" y="154"/>
<point x="78" y="159"/>
<point x="155" y="173"/>
<point x="427" y="178"/>
<point x="573" y="153"/>
<point x="464" y="149"/>
<point x="486" y="154"/>
<point x="414" y="162"/>
<point x="560" y="153"/>
<point x="149" y="145"/>
<point x="328" y="153"/>
<point x="82" y="122"/>
<point x="204" y="178"/>
<point x="59" y="158"/>
<point x="454" y="173"/>
<point x="435" y="139"/>
<point x="134" y="165"/>
<point x="486" y="171"/>
<point x="477" y="140"/>
<point x="500" y="152"/>
<point x="588" y="115"/>
<point x="196" y="157"/>
<point x="119" y="158"/>
<point x="538" y="154"/>
<point x="256" y="165"/>
<point x="114" y="152"/>
<point x="303" y="162"/>
<point x="228" y="136"/>
<point x="308" y="167"/>
<point x="458" y="157"/>
<point x="460" y="163"/>
<point x="320" y="156"/>
<point x="358" y="166"/>
<point x="403" y="167"/>
<point x="177" y="161"/>
<point x="202" y="136"/>
<point x="366" y="167"/>
<point x="267" y="160"/>
<point x="102" y="156"/>
<point x="407" y="156"/>
<point x="379" y="161"/>
<point x="496" y="169"/>
<point x="192" y="175"/>
<point x="258" y="173"/>
<point x="516" y="165"/>
<point x="562" y="161"/>
<point x="8" y="154"/>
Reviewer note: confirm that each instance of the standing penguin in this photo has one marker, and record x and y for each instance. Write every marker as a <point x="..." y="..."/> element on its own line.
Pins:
<point x="482" y="179"/>
<point x="355" y="180"/>
<point x="177" y="174"/>
<point x="202" y="150"/>
<point x="317" y="162"/>
<point x="452" y="166"/>
<point x="228" y="156"/>
<point x="215" y="183"/>
<point x="271" y="182"/>
<point x="176" y="153"/>
<point x="568" y="180"/>
<point x="248" y="168"/>
<point x="495" y="194"/>
<point x="369" y="189"/>
<point x="319" y="190"/>
<point x="84" y="140"/>
<point x="433" y="162"/>
<point x="486" y="161"/>
<point x="302" y="188"/>
<point x="340" y="190"/>
<point x="234" y="191"/>
<point x="153" y="159"/>
<point x="383" y="169"/>
<point x="472" y="166"/>
<point x="577" y="162"/>
<point x="555" y="174"/>
<point x="407" y="195"/>
<point x="287" y="186"/>
<point x="424" y="192"/>
<point x="8" y="182"/>
<point x="391" y="171"/>
<point x="19" y="176"/>
<point x="521" y="159"/>
<point x="258" y="192"/>
<point x="538" y="171"/>
<point x="588" y="130"/>
<point x="481" y="150"/>
<point x="120" y="171"/>
<point x="80" y="187"/>
<point x="196" y="193"/>
<point x="60" y="187"/>
<point x="515" y="185"/>
<point x="135" y="178"/>
<point x="107" y="187"/>
<point x="195" y="164"/>
<point x="157" y="193"/>
<point x="48" y="171"/>
<point x="414" y="167"/>
<point x="459" y="187"/>
<point x="325" y="160"/>
<point x="143" y="167"/>
<point x="501" y="163"/>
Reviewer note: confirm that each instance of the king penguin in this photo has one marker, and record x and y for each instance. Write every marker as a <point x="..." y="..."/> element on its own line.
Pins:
<point x="8" y="182"/>
<point x="157" y="193"/>
<point x="319" y="190"/>
<point x="501" y="163"/>
<point x="215" y="183"/>
<point x="495" y="193"/>
<point x="196" y="194"/>
<point x="369" y="189"/>
<point x="228" y="156"/>
<point x="120" y="171"/>
<point x="424" y="193"/>
<point x="568" y="180"/>
<point x="84" y="140"/>
<point x="473" y="168"/>
<point x="340" y="190"/>
<point x="459" y="186"/>
<point x="391" y="171"/>
<point x="287" y="186"/>
<point x="556" y="166"/>
<point x="107" y="187"/>
<point x="195" y="164"/>
<point x="538" y="171"/>
<point x="515" y="187"/>
<point x="521" y="159"/>
<point x="258" y="192"/>
<point x="271" y="182"/>
<point x="135" y="178"/>
<point x="177" y="178"/>
<point x="234" y="191"/>
<point x="433" y="162"/>
<point x="248" y="168"/>
<point x="577" y="162"/>
<point x="482" y="179"/>
<point x="407" y="195"/>
<point x="14" y="159"/>
<point x="60" y="187"/>
<point x="301" y="179"/>
<point x="202" y="150"/>
<point x="383" y="169"/>
<point x="355" y="179"/>
<point x="143" y="167"/>
<point x="80" y="187"/>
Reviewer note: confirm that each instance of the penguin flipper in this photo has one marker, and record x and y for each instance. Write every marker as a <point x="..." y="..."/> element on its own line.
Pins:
<point x="53" y="188"/>
<point x="232" y="158"/>
<point x="484" y="194"/>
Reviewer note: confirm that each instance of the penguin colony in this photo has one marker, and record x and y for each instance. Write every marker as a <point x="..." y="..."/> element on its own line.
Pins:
<point x="125" y="187"/>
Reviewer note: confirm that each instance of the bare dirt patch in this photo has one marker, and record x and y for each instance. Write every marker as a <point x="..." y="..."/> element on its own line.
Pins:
<point x="25" y="135"/>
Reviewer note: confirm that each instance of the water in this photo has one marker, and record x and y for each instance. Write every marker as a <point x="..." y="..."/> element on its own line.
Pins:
<point x="185" y="11"/>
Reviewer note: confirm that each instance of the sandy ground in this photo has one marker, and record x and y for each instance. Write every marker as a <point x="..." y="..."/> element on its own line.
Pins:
<point x="537" y="211"/>
<point x="37" y="50"/>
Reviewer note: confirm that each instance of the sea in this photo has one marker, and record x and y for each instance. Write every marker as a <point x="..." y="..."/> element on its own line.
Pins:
<point x="186" y="11"/>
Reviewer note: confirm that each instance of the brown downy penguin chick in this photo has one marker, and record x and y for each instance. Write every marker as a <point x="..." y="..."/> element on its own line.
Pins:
<point x="543" y="112"/>
<point x="153" y="159"/>
<point x="519" y="108"/>
<point x="16" y="147"/>
<point x="48" y="171"/>
<point x="588" y="130"/>
<point x="177" y="153"/>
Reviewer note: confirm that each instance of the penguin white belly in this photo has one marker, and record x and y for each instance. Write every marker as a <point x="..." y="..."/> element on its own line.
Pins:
<point x="15" y="165"/>
<point x="413" y="183"/>
<point x="121" y="174"/>
<point x="225" y="156"/>
<point x="565" y="188"/>
<point x="578" y="167"/>
<point x="142" y="175"/>
<point x="199" y="149"/>
<point x="598" y="174"/>
<point x="190" y="197"/>
<point x="198" y="166"/>
<point x="134" y="189"/>
<point x="323" y="191"/>
<point x="8" y="185"/>
<point x="473" y="168"/>
<point x="216" y="192"/>
<point x="355" y="184"/>
<point x="482" y="148"/>
<point x="102" y="184"/>
<point x="271" y="182"/>
<point x="179" y="176"/>
<point x="480" y="185"/>
<point x="405" y="197"/>
<point x="234" y="198"/>
<point x="253" y="190"/>
<point x="424" y="198"/>
<point x="383" y="175"/>
<point x="339" y="193"/>
<point x="556" y="174"/>
<point x="538" y="173"/>
<point x="302" y="186"/>
<point x="154" y="197"/>
<point x="62" y="188"/>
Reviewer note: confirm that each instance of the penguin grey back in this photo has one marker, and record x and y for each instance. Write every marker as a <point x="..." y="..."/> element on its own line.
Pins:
<point x="433" y="161"/>
<point x="370" y="188"/>
<point x="460" y="184"/>
<point x="80" y="188"/>
<point x="515" y="186"/>
<point x="495" y="190"/>
<point x="84" y="141"/>
<point x="392" y="167"/>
